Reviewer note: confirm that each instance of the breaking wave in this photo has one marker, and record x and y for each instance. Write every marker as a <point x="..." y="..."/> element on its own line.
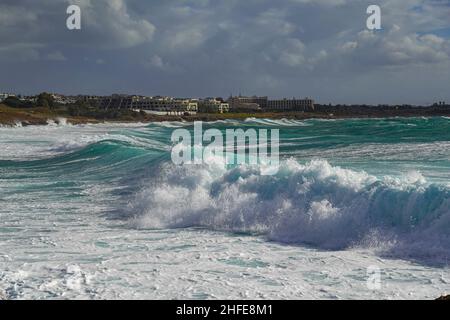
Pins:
<point x="314" y="203"/>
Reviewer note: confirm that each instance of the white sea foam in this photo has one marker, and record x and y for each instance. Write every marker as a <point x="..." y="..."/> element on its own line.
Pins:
<point x="315" y="203"/>
<point x="56" y="241"/>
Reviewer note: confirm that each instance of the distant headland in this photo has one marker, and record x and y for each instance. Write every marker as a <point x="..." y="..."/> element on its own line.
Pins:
<point x="46" y="107"/>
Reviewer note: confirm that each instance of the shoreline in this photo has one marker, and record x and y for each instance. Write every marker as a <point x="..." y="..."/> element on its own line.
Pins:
<point x="11" y="117"/>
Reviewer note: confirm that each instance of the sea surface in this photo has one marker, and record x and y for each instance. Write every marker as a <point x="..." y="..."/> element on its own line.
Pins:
<point x="101" y="212"/>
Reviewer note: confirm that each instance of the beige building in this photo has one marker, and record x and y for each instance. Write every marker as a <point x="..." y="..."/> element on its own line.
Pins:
<point x="61" y="99"/>
<point x="290" y="105"/>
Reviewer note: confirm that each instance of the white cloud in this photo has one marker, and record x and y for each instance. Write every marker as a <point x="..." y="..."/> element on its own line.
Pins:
<point x="157" y="61"/>
<point x="11" y="16"/>
<point x="110" y="24"/>
<point x="105" y="24"/>
<point x="292" y="54"/>
<point x="396" y="49"/>
<point x="186" y="38"/>
<point x="274" y="21"/>
<point x="349" y="46"/>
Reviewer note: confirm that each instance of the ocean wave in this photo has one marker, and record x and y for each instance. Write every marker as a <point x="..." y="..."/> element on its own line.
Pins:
<point x="284" y="122"/>
<point x="315" y="203"/>
<point x="60" y="121"/>
<point x="59" y="138"/>
<point x="170" y="124"/>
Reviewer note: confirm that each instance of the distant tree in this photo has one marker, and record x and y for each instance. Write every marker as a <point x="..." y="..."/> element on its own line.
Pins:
<point x="45" y="100"/>
<point x="79" y="108"/>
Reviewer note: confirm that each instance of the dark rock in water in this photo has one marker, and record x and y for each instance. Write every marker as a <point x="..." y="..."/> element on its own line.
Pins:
<point x="447" y="297"/>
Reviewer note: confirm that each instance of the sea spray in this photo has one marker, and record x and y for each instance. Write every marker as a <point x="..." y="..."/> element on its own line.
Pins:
<point x="316" y="204"/>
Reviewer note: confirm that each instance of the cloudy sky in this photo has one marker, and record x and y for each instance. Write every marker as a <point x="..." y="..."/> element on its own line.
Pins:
<point x="198" y="48"/>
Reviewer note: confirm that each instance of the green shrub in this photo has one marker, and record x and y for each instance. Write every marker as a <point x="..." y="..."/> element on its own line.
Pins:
<point x="15" y="102"/>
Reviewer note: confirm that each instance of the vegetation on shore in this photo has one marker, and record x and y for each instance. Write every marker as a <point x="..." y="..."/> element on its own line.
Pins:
<point x="14" y="111"/>
<point x="12" y="116"/>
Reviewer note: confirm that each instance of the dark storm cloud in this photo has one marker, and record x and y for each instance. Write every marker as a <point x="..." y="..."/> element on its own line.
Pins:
<point x="286" y="48"/>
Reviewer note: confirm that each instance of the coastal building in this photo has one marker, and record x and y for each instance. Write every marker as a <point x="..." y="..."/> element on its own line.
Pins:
<point x="160" y="105"/>
<point x="115" y="101"/>
<point x="61" y="99"/>
<point x="31" y="99"/>
<point x="92" y="100"/>
<point x="240" y="102"/>
<point x="165" y="104"/>
<point x="213" y="106"/>
<point x="290" y="105"/>
<point x="3" y="96"/>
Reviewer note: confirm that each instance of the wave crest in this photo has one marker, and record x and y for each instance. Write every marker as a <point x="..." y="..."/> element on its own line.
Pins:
<point x="316" y="203"/>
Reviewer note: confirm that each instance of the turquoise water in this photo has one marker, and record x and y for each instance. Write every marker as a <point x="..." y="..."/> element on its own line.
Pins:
<point x="74" y="198"/>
